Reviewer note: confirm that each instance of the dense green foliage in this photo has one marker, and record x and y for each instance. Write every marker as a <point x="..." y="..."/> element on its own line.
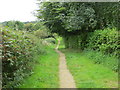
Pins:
<point x="85" y="25"/>
<point x="90" y="27"/>
<point x="101" y="45"/>
<point x="107" y="59"/>
<point x="78" y="16"/>
<point x="16" y="25"/>
<point x="18" y="52"/>
<point x="21" y="44"/>
<point x="33" y="26"/>
<point x="27" y="26"/>
<point x="106" y="41"/>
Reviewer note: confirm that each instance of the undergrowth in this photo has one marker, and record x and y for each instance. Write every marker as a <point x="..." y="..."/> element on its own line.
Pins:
<point x="88" y="74"/>
<point x="18" y="51"/>
<point x="98" y="57"/>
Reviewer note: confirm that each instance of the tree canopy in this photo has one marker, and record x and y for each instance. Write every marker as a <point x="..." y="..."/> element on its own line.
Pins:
<point x="16" y="25"/>
<point x="66" y="17"/>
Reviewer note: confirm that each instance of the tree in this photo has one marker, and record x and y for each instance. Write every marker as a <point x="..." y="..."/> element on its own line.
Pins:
<point x="19" y="25"/>
<point x="72" y="16"/>
<point x="70" y="19"/>
<point x="16" y="25"/>
<point x="50" y="13"/>
<point x="28" y="27"/>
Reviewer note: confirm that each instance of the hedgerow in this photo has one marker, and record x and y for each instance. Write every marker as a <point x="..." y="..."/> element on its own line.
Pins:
<point x="18" y="52"/>
<point x="101" y="46"/>
<point x="106" y="41"/>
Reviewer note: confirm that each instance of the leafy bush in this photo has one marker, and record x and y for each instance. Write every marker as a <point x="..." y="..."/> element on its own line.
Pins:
<point x="103" y="46"/>
<point x="18" y="50"/>
<point x="16" y="25"/>
<point x="105" y="41"/>
<point x="41" y="33"/>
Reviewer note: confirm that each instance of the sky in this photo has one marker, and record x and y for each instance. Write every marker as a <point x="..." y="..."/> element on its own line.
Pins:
<point x="17" y="10"/>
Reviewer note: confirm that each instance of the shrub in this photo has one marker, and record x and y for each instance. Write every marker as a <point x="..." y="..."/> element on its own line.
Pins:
<point x="41" y="33"/>
<point x="105" y="41"/>
<point x="18" y="50"/>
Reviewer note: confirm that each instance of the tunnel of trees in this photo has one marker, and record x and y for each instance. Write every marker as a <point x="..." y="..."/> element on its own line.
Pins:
<point x="83" y="25"/>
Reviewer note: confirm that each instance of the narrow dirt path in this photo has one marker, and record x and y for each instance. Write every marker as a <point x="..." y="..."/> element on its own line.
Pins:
<point x="66" y="79"/>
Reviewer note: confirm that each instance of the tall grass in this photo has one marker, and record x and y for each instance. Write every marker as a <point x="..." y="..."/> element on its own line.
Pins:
<point x="99" y="58"/>
<point x="88" y="74"/>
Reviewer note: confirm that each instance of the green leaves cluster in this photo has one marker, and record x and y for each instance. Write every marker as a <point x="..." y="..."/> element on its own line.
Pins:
<point x="41" y="34"/>
<point x="16" y="25"/>
<point x="79" y="16"/>
<point x="106" y="41"/>
<point x="34" y="26"/>
<point x="84" y="25"/>
<point x="65" y="17"/>
<point x="51" y="13"/>
<point x="18" y="50"/>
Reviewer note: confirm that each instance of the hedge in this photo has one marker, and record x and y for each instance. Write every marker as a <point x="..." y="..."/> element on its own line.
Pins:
<point x="106" y="41"/>
<point x="18" y="50"/>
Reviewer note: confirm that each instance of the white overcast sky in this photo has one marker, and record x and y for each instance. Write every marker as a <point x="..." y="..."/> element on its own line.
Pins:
<point x="17" y="10"/>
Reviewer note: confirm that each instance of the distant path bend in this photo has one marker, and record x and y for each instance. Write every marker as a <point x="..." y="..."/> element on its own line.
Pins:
<point x="66" y="79"/>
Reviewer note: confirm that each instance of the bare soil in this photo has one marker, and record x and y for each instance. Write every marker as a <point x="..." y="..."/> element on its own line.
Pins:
<point x="66" y="79"/>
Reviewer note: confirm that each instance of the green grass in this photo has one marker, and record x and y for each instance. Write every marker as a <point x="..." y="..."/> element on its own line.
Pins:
<point x="45" y="72"/>
<point x="61" y="42"/>
<point x="87" y="74"/>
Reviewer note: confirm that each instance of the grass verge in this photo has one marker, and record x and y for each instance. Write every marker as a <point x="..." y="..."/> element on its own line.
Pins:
<point x="87" y="74"/>
<point x="45" y="73"/>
